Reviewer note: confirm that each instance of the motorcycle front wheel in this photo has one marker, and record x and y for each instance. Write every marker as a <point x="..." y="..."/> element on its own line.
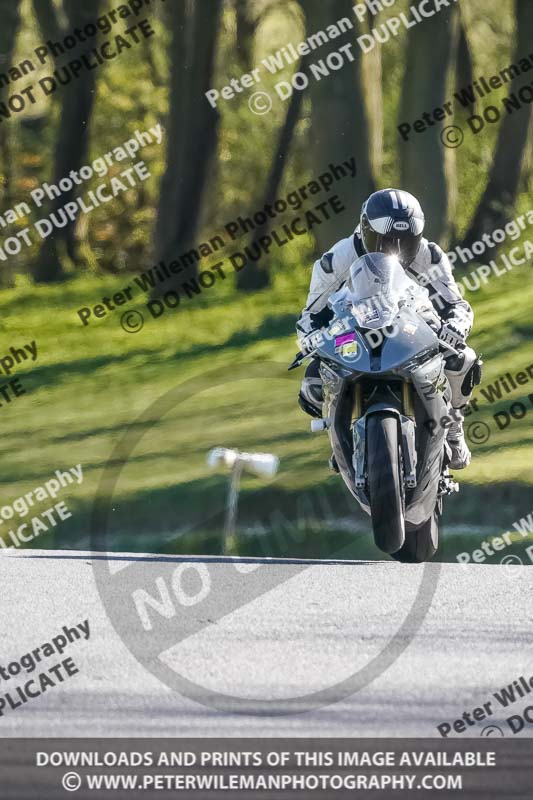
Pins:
<point x="385" y="481"/>
<point x="420" y="544"/>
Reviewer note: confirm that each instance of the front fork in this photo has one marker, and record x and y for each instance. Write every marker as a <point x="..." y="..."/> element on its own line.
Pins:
<point x="432" y="387"/>
<point x="406" y="418"/>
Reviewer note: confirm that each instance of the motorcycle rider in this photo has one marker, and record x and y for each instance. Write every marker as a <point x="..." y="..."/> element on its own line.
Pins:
<point x="392" y="222"/>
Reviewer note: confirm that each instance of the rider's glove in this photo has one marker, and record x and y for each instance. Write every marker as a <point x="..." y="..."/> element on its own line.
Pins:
<point x="452" y="334"/>
<point x="310" y="341"/>
<point x="431" y="318"/>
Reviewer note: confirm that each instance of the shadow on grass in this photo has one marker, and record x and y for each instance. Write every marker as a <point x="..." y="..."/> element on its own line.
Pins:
<point x="51" y="374"/>
<point x="272" y="327"/>
<point x="318" y="522"/>
<point x="189" y="518"/>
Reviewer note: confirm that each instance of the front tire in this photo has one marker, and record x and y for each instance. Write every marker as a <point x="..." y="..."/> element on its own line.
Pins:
<point x="421" y="544"/>
<point x="385" y="481"/>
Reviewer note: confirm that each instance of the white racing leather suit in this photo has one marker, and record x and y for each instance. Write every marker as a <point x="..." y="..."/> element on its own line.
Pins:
<point x="431" y="269"/>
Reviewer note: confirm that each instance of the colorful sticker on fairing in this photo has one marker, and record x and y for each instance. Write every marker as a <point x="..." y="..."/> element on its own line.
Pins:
<point x="349" y="350"/>
<point x="343" y="340"/>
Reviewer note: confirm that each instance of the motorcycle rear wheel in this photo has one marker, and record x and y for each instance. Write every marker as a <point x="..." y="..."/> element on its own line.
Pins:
<point x="385" y="481"/>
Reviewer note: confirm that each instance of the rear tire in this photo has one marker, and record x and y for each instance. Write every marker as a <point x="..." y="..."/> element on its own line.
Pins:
<point x="421" y="544"/>
<point x="385" y="481"/>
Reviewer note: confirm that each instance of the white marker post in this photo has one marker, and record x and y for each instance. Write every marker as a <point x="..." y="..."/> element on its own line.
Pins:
<point x="264" y="465"/>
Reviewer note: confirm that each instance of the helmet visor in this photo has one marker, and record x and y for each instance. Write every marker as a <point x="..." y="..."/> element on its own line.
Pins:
<point x="405" y="246"/>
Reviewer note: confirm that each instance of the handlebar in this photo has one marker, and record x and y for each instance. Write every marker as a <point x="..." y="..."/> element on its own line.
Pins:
<point x="447" y="346"/>
<point x="298" y="360"/>
<point x="300" y="357"/>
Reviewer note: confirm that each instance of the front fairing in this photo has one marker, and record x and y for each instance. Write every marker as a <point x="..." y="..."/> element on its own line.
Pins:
<point x="410" y="338"/>
<point x="377" y="351"/>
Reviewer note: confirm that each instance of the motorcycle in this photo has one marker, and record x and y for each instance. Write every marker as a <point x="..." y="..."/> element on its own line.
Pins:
<point x="385" y="392"/>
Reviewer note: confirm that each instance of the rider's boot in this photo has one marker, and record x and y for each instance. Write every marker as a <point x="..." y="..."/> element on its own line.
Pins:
<point x="464" y="373"/>
<point x="460" y="451"/>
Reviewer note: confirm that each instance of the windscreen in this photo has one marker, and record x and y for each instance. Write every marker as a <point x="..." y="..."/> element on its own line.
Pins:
<point x="376" y="285"/>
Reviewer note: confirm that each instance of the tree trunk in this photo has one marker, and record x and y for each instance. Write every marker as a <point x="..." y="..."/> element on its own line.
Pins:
<point x="339" y="124"/>
<point x="77" y="99"/>
<point x="373" y="82"/>
<point x="192" y="128"/>
<point x="427" y="171"/>
<point x="372" y="71"/>
<point x="246" y="24"/>
<point x="9" y="13"/>
<point x="47" y="18"/>
<point x="171" y="189"/>
<point x="496" y="205"/>
<point x="256" y="274"/>
<point x="464" y="71"/>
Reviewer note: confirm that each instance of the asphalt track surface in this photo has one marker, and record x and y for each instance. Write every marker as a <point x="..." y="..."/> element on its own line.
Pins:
<point x="310" y="626"/>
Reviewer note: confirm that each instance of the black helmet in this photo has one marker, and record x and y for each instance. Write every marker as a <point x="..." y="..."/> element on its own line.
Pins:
<point x="392" y="222"/>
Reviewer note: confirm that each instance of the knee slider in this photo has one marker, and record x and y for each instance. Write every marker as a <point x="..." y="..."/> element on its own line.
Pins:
<point x="311" y="395"/>
<point x="308" y="407"/>
<point x="313" y="390"/>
